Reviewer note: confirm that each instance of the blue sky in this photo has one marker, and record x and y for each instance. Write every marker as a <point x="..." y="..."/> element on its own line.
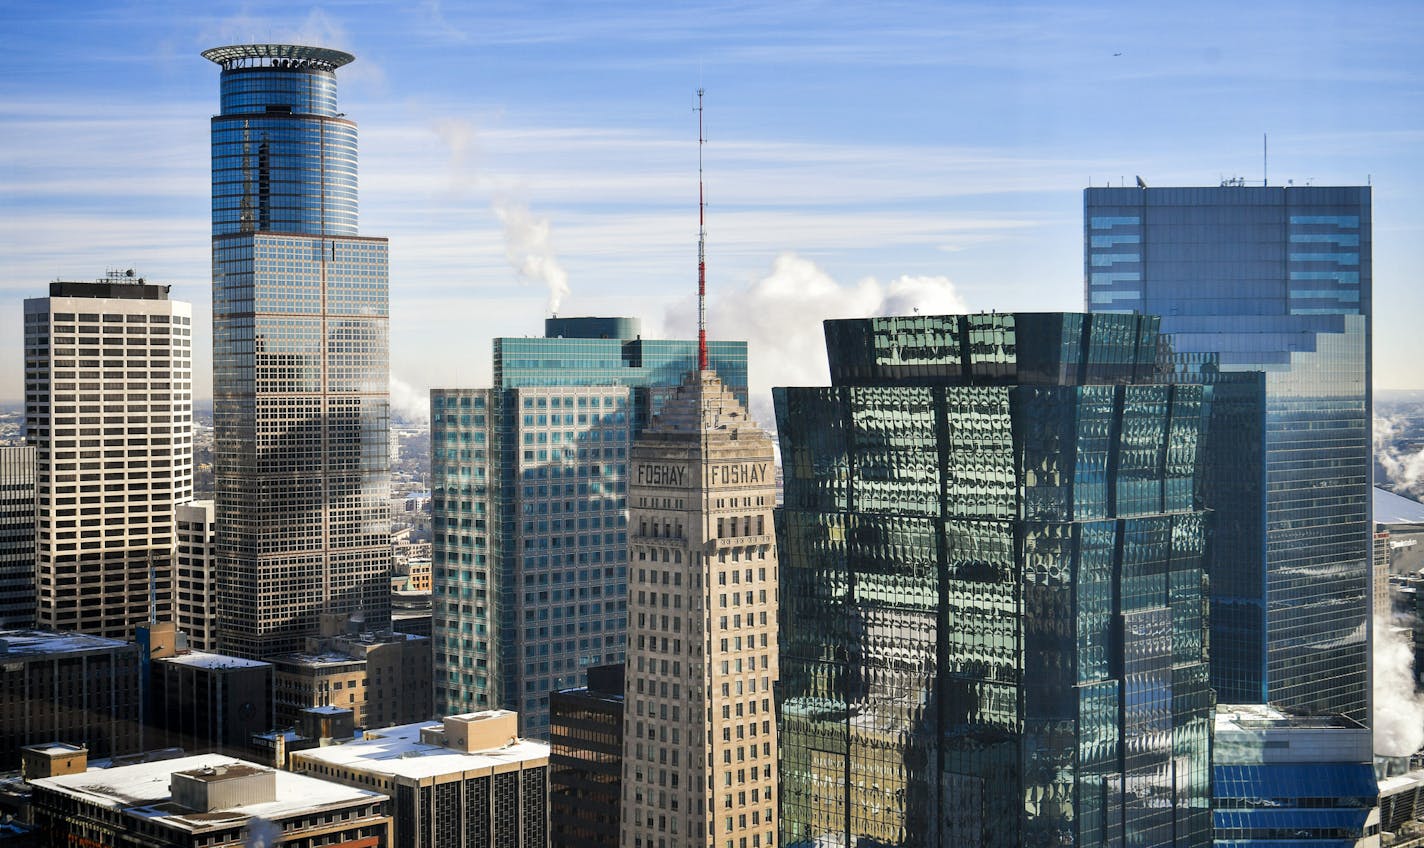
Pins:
<point x="860" y="157"/>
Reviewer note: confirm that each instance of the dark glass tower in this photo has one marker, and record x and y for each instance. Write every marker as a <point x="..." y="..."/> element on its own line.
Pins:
<point x="1273" y="280"/>
<point x="300" y="357"/>
<point x="992" y="592"/>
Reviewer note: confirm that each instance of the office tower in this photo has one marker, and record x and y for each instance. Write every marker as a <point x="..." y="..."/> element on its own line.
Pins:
<point x="209" y="800"/>
<point x="109" y="411"/>
<point x="528" y="508"/>
<point x="1274" y="280"/>
<point x="699" y="731"/>
<point x="468" y="781"/>
<point x="17" y="537"/>
<point x="67" y="687"/>
<point x="195" y="590"/>
<point x="1297" y="780"/>
<point x="300" y="357"/>
<point x="992" y="588"/>
<point x="586" y="760"/>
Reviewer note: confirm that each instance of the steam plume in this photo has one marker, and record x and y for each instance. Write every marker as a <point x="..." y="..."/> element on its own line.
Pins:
<point x="527" y="247"/>
<point x="1405" y="470"/>
<point x="1399" y="707"/>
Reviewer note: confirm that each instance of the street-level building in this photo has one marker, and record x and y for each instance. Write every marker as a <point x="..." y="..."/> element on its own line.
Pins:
<point x="206" y="801"/>
<point x="468" y="781"/>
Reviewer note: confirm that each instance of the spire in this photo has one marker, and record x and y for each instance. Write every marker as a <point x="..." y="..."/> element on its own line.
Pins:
<point x="701" y="249"/>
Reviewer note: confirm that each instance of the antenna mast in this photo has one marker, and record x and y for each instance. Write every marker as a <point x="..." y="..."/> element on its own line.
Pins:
<point x="701" y="249"/>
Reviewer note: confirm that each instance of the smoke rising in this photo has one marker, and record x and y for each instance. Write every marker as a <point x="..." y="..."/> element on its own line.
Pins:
<point x="409" y="403"/>
<point x="527" y="247"/>
<point x="1405" y="470"/>
<point x="1399" y="707"/>
<point x="780" y="317"/>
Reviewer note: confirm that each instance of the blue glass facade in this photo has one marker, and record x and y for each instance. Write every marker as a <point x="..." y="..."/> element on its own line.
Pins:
<point x="532" y="589"/>
<point x="300" y="357"/>
<point x="992" y="594"/>
<point x="1275" y="280"/>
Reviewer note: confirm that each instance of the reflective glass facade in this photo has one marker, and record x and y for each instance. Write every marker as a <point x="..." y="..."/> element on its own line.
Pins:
<point x="1275" y="280"/>
<point x="529" y="509"/>
<point x="992" y="620"/>
<point x="300" y="357"/>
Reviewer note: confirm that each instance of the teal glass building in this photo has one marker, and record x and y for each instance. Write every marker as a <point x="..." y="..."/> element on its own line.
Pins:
<point x="1265" y="289"/>
<point x="992" y="588"/>
<point x="529" y="508"/>
<point x="300" y="357"/>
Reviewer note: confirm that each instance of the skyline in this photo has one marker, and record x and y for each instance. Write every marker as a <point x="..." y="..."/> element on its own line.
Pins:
<point x="544" y="139"/>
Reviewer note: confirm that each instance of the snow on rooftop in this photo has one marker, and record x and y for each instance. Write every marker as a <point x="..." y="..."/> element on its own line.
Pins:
<point x="16" y="643"/>
<point x="202" y="659"/>
<point x="1390" y="508"/>
<point x="398" y="751"/>
<point x="143" y="790"/>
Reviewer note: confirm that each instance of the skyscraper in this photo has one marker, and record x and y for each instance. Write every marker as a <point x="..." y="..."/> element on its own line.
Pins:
<point x="17" y="537"/>
<point x="1274" y="280"/>
<point x="992" y="589"/>
<point x="699" y="728"/>
<point x="300" y="357"/>
<point x="529" y="508"/>
<point x="109" y="411"/>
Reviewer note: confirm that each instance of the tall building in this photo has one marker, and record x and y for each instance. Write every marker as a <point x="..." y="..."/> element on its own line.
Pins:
<point x="699" y="728"/>
<point x="529" y="509"/>
<point x="468" y="781"/>
<point x="992" y="590"/>
<point x="209" y="800"/>
<point x="68" y="687"/>
<point x="1275" y="280"/>
<point x="17" y="537"/>
<point x="109" y="411"/>
<point x="586" y="760"/>
<point x="300" y="357"/>
<point x="195" y="590"/>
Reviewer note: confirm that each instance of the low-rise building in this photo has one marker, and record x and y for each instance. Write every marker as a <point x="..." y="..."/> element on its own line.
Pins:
<point x="466" y="782"/>
<point x="69" y="687"/>
<point x="1281" y="776"/>
<point x="210" y="801"/>
<point x="208" y="702"/>
<point x="195" y="591"/>
<point x="383" y="678"/>
<point x="586" y="760"/>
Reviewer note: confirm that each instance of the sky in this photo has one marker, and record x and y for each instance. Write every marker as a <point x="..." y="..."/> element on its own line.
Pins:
<point x="861" y="158"/>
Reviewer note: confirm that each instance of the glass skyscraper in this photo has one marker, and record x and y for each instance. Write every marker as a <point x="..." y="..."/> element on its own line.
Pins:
<point x="529" y="508"/>
<point x="300" y="357"/>
<point x="992" y="588"/>
<point x="1274" y="280"/>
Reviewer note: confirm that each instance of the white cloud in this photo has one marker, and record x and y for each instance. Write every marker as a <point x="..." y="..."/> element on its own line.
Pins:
<point x="780" y="315"/>
<point x="1398" y="706"/>
<point x="1404" y="469"/>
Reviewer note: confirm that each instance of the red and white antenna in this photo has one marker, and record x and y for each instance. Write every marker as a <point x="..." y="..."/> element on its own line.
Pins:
<point x="701" y="249"/>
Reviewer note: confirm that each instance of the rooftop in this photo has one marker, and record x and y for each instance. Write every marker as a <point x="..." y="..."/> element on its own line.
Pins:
<point x="1390" y="508"/>
<point x="278" y="56"/>
<point x="19" y="643"/>
<point x="1266" y="717"/>
<point x="202" y="659"/>
<point x="143" y="791"/>
<point x="398" y="751"/>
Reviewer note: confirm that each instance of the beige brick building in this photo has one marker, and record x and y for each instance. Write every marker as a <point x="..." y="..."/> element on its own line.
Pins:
<point x="699" y="756"/>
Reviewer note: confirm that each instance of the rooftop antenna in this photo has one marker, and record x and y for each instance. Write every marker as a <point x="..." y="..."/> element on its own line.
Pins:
<point x="1265" y="162"/>
<point x="701" y="249"/>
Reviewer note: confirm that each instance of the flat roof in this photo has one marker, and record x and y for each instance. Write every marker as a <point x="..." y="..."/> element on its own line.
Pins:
<point x="143" y="791"/>
<point x="202" y="659"/>
<point x="399" y="752"/>
<point x="1390" y="508"/>
<point x="1267" y="717"/>
<point x="19" y="643"/>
